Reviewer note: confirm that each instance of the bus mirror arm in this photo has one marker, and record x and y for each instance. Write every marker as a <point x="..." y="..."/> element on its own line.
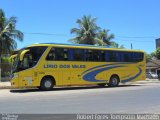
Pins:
<point x="22" y="54"/>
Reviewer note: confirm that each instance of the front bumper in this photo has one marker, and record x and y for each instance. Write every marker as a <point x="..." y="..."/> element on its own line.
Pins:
<point x="14" y="80"/>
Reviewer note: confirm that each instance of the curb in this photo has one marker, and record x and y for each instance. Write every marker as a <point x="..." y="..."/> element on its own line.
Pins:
<point x="137" y="82"/>
<point x="6" y="87"/>
<point x="148" y="81"/>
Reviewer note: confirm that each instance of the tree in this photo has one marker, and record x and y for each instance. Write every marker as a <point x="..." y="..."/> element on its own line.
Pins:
<point x="87" y="31"/>
<point x="8" y="33"/>
<point x="116" y="45"/>
<point x="103" y="36"/>
<point x="157" y="53"/>
<point x="151" y="56"/>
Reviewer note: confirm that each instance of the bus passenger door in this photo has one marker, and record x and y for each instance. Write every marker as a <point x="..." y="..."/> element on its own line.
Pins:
<point x="26" y="72"/>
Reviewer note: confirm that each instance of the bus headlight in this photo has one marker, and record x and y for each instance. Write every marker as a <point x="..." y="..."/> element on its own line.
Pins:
<point x="14" y="75"/>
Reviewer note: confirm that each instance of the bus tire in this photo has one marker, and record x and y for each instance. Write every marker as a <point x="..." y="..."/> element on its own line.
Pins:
<point x="101" y="84"/>
<point x="114" y="81"/>
<point x="47" y="83"/>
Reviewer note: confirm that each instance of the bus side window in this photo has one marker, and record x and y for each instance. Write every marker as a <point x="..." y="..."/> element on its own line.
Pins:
<point x="134" y="57"/>
<point x="112" y="56"/>
<point x="102" y="56"/>
<point x="71" y="54"/>
<point x="51" y="55"/>
<point x="78" y="54"/>
<point x="61" y="54"/>
<point x="140" y="57"/>
<point x="89" y="55"/>
<point x="58" y="54"/>
<point x="137" y="57"/>
<point x="26" y="62"/>
<point x="126" y="57"/>
<point x="96" y="55"/>
<point x="65" y="54"/>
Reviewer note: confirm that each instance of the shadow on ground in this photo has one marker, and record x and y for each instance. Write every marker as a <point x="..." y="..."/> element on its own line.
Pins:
<point x="26" y="90"/>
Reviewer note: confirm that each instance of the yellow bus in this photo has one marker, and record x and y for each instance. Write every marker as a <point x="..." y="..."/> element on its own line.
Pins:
<point x="48" y="65"/>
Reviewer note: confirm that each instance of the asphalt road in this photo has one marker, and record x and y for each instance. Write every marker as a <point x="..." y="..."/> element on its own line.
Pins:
<point x="142" y="98"/>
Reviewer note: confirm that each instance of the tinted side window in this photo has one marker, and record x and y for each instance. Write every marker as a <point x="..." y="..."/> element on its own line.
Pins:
<point x="132" y="57"/>
<point x="66" y="54"/>
<point x="88" y="55"/>
<point x="137" y="57"/>
<point x="126" y="57"/>
<point x="78" y="54"/>
<point x="37" y="52"/>
<point x="58" y="54"/>
<point x="96" y="55"/>
<point x="51" y="55"/>
<point x="112" y="56"/>
<point x="102" y="55"/>
<point x="91" y="55"/>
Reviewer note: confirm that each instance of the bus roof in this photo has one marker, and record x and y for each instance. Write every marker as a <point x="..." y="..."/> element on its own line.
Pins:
<point x="83" y="46"/>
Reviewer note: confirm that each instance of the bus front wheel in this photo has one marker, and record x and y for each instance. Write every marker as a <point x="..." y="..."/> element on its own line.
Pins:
<point x="114" y="81"/>
<point x="47" y="83"/>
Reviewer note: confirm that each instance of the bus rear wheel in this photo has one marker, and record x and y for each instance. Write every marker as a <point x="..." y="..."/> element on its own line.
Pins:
<point x="114" y="81"/>
<point x="47" y="83"/>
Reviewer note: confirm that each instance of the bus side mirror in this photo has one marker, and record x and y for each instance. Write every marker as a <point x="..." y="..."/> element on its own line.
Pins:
<point x="12" y="58"/>
<point x="22" y="54"/>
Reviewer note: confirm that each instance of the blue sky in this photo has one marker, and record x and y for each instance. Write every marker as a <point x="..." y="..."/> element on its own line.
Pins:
<point x="137" y="19"/>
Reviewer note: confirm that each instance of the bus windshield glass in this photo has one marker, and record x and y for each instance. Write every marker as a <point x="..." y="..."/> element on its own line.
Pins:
<point x="14" y="63"/>
<point x="30" y="58"/>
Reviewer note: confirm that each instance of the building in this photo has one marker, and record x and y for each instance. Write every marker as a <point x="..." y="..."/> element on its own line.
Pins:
<point x="153" y="66"/>
<point x="158" y="43"/>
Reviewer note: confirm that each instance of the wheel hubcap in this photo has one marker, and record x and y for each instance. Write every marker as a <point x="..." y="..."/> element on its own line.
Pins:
<point x="48" y="84"/>
<point x="114" y="81"/>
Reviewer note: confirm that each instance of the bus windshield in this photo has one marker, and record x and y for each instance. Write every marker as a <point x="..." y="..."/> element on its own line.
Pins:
<point x="30" y="58"/>
<point x="14" y="63"/>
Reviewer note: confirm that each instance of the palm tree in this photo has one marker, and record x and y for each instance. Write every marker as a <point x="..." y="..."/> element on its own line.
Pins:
<point x="105" y="37"/>
<point x="87" y="31"/>
<point x="8" y="33"/>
